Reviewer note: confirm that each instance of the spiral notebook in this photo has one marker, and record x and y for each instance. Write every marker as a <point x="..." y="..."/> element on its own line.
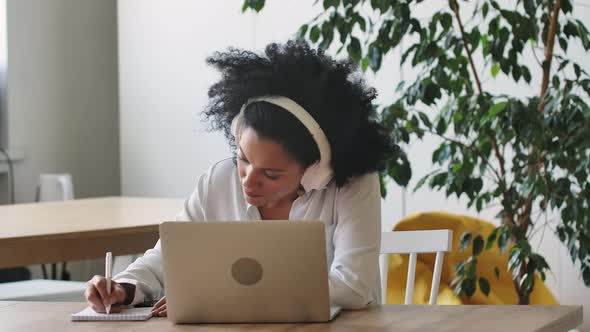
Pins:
<point x="131" y="314"/>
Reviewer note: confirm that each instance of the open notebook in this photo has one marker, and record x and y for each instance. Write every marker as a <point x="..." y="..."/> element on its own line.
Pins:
<point x="89" y="314"/>
<point x="137" y="314"/>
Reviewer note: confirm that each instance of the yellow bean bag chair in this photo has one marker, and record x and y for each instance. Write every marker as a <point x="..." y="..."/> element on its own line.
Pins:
<point x="501" y="290"/>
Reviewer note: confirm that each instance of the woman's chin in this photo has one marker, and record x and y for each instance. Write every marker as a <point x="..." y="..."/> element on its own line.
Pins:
<point x="256" y="201"/>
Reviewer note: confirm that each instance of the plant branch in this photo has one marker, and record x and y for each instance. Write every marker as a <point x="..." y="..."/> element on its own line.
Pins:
<point x="524" y="218"/>
<point x="497" y="153"/>
<point x="499" y="157"/>
<point x="508" y="219"/>
<point x="455" y="8"/>
<point x="549" y="53"/>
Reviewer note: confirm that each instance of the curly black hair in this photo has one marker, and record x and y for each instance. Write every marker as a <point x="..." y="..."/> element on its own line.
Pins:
<point x="332" y="91"/>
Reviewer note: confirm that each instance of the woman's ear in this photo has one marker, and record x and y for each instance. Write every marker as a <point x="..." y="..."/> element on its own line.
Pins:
<point x="300" y="191"/>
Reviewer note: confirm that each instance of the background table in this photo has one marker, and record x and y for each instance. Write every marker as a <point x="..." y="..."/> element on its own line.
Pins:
<point x="55" y="316"/>
<point x="51" y="232"/>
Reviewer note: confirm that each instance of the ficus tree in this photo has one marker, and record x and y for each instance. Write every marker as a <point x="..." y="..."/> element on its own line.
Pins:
<point x="527" y="155"/>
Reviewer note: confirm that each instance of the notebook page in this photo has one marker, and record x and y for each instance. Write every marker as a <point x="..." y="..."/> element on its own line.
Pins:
<point x="130" y="314"/>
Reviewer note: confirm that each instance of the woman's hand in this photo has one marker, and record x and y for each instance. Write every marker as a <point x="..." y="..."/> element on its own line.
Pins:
<point x="159" y="309"/>
<point x="97" y="297"/>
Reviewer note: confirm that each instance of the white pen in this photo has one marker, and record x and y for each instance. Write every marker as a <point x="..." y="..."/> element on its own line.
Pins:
<point x="108" y="265"/>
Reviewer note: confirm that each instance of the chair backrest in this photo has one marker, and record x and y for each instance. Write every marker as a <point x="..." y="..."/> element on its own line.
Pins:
<point x="414" y="242"/>
<point x="55" y="187"/>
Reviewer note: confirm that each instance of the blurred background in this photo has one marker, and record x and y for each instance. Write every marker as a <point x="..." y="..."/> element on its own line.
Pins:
<point x="112" y="92"/>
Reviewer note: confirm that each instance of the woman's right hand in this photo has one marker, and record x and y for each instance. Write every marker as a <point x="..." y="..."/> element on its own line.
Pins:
<point x="97" y="297"/>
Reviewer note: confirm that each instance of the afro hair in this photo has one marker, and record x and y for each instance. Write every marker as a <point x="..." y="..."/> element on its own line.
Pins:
<point x="332" y="91"/>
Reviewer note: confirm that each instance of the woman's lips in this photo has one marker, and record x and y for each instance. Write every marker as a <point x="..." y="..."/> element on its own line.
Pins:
<point x="251" y="194"/>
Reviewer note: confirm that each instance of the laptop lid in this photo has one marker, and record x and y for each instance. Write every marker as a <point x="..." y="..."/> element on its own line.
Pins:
<point x="249" y="271"/>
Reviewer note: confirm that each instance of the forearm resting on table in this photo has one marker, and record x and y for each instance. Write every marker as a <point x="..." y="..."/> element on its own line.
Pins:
<point x="345" y="296"/>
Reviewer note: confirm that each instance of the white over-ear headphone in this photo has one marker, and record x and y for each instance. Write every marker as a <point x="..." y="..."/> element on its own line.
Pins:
<point x="320" y="173"/>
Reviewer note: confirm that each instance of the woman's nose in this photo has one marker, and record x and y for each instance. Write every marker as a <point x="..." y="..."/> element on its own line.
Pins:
<point x="250" y="179"/>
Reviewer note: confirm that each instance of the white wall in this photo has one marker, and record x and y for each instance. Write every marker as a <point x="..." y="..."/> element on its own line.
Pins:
<point x="163" y="84"/>
<point x="164" y="144"/>
<point x="62" y="94"/>
<point x="163" y="88"/>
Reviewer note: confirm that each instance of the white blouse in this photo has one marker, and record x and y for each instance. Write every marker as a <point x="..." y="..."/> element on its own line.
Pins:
<point x="352" y="215"/>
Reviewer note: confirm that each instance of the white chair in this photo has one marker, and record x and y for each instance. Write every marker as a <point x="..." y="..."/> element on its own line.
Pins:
<point x="55" y="187"/>
<point x="43" y="290"/>
<point x="51" y="187"/>
<point x="414" y="242"/>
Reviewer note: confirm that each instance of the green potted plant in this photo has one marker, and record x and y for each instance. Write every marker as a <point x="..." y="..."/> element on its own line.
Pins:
<point x="528" y="154"/>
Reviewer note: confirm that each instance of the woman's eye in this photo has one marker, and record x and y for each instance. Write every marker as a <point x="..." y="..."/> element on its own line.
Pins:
<point x="271" y="176"/>
<point x="242" y="159"/>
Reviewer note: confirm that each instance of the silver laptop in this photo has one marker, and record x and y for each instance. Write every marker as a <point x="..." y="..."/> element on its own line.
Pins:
<point x="246" y="272"/>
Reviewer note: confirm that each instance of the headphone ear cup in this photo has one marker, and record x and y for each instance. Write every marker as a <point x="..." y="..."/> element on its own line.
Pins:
<point x="316" y="177"/>
<point x="307" y="179"/>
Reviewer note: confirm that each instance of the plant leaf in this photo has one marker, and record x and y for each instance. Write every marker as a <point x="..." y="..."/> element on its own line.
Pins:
<point x="314" y="34"/>
<point x="529" y="7"/>
<point x="302" y="31"/>
<point x="354" y="49"/>
<point x="257" y="5"/>
<point x="484" y="285"/>
<point x="496" y="109"/>
<point x="469" y="286"/>
<point x="364" y="64"/>
<point x="492" y="238"/>
<point x="586" y="276"/>
<point x="495" y="70"/>
<point x="374" y="57"/>
<point x="465" y="240"/>
<point x="477" y="245"/>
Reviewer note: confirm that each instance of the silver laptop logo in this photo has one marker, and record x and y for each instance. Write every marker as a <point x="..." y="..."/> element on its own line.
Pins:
<point x="246" y="271"/>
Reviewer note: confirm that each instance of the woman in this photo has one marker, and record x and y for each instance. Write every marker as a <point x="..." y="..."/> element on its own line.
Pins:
<point x="307" y="148"/>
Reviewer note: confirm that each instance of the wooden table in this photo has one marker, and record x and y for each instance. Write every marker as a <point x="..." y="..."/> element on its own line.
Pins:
<point x="51" y="232"/>
<point x="55" y="316"/>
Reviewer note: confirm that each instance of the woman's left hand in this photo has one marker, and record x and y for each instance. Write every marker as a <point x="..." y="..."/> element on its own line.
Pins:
<point x="159" y="309"/>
